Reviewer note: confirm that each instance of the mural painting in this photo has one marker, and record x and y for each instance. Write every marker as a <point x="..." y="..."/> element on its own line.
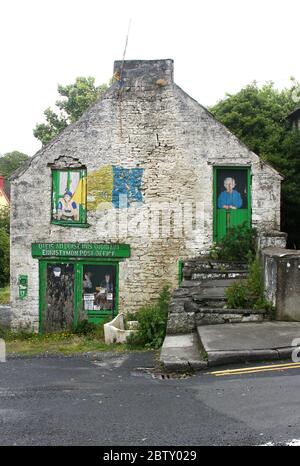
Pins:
<point x="69" y="196"/>
<point x="232" y="189"/>
<point x="121" y="187"/>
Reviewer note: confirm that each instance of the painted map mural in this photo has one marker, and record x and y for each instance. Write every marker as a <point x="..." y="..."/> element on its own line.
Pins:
<point x="107" y="184"/>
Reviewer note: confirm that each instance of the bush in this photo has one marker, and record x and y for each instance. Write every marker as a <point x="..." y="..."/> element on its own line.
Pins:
<point x="4" y="257"/>
<point x="152" y="321"/>
<point x="238" y="244"/>
<point x="84" y="327"/>
<point x="249" y="293"/>
<point x="4" y="295"/>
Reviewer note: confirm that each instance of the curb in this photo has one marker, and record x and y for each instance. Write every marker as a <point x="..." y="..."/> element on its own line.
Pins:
<point x="219" y="358"/>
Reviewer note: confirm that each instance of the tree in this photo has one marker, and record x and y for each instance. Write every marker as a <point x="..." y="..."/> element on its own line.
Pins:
<point x="257" y="116"/>
<point x="4" y="219"/>
<point x="10" y="161"/>
<point x="77" y="98"/>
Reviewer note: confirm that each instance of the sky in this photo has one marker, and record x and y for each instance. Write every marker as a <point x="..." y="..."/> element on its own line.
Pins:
<point x="218" y="46"/>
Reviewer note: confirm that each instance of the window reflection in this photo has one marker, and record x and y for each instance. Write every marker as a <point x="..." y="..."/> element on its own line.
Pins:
<point x="99" y="287"/>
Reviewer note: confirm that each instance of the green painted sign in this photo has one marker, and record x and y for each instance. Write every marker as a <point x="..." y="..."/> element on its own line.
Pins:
<point x="80" y="250"/>
<point x="23" y="286"/>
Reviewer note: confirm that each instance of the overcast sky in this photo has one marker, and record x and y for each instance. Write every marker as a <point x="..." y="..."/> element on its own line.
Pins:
<point x="218" y="46"/>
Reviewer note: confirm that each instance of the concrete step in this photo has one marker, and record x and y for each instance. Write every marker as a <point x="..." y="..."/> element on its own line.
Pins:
<point x="182" y="353"/>
<point x="244" y="342"/>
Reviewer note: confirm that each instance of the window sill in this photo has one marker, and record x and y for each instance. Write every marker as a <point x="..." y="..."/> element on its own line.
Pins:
<point x="70" y="224"/>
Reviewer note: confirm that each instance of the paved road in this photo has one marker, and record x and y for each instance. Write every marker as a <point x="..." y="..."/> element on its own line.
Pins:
<point x="107" y="401"/>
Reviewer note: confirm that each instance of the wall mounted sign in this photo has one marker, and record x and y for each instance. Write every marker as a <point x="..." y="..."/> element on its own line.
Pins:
<point x="23" y="286"/>
<point x="80" y="250"/>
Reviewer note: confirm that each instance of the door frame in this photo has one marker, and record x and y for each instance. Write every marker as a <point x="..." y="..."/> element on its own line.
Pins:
<point x="249" y="187"/>
<point x="78" y="278"/>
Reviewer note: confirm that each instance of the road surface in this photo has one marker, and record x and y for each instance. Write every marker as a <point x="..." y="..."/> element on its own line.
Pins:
<point x="109" y="400"/>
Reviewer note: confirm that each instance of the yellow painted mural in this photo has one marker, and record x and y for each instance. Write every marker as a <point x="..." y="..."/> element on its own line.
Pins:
<point x="100" y="186"/>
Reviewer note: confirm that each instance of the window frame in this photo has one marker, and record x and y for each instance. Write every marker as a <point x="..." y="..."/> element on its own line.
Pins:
<point x="55" y="195"/>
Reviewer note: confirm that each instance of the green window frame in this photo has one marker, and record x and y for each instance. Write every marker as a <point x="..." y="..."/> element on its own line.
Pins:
<point x="69" y="197"/>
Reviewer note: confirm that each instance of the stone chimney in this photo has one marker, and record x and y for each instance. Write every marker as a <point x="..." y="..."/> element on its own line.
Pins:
<point x="145" y="72"/>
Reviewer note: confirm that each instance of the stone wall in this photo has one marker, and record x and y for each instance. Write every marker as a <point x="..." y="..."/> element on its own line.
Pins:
<point x="5" y="315"/>
<point x="145" y="123"/>
<point x="282" y="281"/>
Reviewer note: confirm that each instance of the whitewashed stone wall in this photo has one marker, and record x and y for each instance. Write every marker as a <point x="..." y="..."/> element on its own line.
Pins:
<point x="156" y="126"/>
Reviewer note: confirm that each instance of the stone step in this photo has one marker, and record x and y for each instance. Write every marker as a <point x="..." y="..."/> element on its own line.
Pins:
<point x="198" y="265"/>
<point x="246" y="312"/>
<point x="211" y="316"/>
<point x="221" y="282"/>
<point x="217" y="301"/>
<point x="216" y="288"/>
<point x="216" y="274"/>
<point x="217" y="292"/>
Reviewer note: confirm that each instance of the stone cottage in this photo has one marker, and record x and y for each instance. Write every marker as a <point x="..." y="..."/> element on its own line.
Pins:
<point x="102" y="216"/>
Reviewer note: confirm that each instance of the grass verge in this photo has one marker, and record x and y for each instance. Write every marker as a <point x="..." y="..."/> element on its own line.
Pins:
<point x="66" y="343"/>
<point x="4" y="295"/>
<point x="68" y="346"/>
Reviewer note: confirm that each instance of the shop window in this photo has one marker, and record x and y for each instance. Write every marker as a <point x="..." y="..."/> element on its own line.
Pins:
<point x="69" y="197"/>
<point x="99" y="287"/>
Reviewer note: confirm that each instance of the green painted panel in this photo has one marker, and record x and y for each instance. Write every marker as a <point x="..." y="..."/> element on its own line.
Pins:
<point x="230" y="218"/>
<point x="100" y="318"/>
<point x="80" y="250"/>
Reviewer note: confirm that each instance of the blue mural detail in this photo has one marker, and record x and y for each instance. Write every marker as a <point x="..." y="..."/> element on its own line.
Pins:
<point x="127" y="184"/>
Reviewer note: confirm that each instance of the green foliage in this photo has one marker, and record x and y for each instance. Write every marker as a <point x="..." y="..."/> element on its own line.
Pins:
<point x="84" y="327"/>
<point x="257" y="116"/>
<point x="10" y="161"/>
<point x="4" y="295"/>
<point x="5" y="219"/>
<point x="4" y="257"/>
<point x="152" y="321"/>
<point x="4" y="248"/>
<point x="249" y="293"/>
<point x="238" y="244"/>
<point x="77" y="98"/>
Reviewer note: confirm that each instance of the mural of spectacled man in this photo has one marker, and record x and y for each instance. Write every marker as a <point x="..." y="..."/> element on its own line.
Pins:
<point x="230" y="198"/>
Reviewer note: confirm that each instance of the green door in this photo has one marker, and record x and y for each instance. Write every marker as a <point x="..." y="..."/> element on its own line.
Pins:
<point x="232" y="199"/>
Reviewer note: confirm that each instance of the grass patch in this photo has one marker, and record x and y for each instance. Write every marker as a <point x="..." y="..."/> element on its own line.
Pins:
<point x="239" y="244"/>
<point x="249" y="293"/>
<point x="24" y="342"/>
<point x="73" y="345"/>
<point x="4" y="295"/>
